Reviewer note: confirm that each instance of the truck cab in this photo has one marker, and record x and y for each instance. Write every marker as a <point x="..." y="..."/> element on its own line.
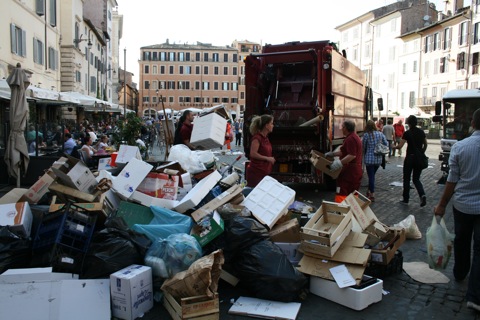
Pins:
<point x="455" y="113"/>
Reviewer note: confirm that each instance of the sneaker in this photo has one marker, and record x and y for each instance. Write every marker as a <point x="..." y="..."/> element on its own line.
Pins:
<point x="403" y="202"/>
<point x="472" y="305"/>
<point x="423" y="202"/>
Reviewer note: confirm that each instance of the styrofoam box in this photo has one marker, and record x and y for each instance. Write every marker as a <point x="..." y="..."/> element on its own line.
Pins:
<point x="356" y="299"/>
<point x="132" y="291"/>
<point x="269" y="200"/>
<point x="209" y="131"/>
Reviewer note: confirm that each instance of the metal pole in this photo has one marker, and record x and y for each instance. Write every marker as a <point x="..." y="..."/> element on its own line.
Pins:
<point x="125" y="82"/>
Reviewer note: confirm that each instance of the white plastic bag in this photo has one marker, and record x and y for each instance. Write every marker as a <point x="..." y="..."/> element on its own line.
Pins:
<point x="439" y="244"/>
<point x="187" y="158"/>
<point x="411" y="228"/>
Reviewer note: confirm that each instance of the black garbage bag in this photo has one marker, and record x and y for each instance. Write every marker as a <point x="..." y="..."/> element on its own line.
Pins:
<point x="15" y="251"/>
<point x="265" y="271"/>
<point x="114" y="248"/>
<point x="239" y="233"/>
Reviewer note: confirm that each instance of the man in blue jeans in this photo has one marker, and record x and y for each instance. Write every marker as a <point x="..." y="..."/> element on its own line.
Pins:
<point x="463" y="184"/>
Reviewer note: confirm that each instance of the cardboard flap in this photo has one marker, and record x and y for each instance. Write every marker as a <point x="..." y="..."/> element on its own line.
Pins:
<point x="220" y="200"/>
<point x="321" y="268"/>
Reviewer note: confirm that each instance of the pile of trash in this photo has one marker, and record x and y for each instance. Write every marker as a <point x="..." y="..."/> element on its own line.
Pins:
<point x="170" y="231"/>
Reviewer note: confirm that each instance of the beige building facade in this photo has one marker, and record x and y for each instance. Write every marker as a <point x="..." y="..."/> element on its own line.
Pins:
<point x="192" y="76"/>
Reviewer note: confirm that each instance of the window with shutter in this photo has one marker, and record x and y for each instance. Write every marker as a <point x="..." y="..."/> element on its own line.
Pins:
<point x="53" y="13"/>
<point x="40" y="7"/>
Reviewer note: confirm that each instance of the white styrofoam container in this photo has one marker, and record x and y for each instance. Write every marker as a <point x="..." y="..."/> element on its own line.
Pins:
<point x="131" y="290"/>
<point x="356" y="299"/>
<point x="209" y="131"/>
<point x="199" y="191"/>
<point x="269" y="200"/>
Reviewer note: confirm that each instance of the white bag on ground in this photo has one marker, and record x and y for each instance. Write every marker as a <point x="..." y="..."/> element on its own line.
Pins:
<point x="411" y="228"/>
<point x="187" y="158"/>
<point x="439" y="244"/>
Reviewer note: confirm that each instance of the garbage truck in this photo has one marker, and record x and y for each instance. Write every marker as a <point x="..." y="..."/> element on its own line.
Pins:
<point x="309" y="88"/>
<point x="454" y="113"/>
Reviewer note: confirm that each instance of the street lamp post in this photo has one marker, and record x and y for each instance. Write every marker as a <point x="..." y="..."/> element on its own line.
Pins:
<point x="125" y="83"/>
<point x="156" y="107"/>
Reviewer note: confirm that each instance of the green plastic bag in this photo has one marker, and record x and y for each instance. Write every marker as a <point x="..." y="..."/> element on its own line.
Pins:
<point x="439" y="244"/>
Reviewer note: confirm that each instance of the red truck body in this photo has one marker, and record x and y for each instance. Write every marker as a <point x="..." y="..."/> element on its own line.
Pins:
<point x="301" y="83"/>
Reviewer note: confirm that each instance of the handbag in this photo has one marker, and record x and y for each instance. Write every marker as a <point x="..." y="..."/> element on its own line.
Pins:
<point x="421" y="160"/>
<point x="381" y="149"/>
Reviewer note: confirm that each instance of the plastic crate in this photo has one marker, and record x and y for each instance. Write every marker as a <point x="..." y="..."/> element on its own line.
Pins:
<point x="47" y="230"/>
<point x="395" y="266"/>
<point x="63" y="238"/>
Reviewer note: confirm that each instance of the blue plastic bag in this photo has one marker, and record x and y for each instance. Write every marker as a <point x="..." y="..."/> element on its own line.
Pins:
<point x="165" y="222"/>
<point x="172" y="255"/>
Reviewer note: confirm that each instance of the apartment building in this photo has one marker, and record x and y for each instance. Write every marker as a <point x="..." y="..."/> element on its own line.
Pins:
<point x="197" y="75"/>
<point x="373" y="42"/>
<point x="64" y="46"/>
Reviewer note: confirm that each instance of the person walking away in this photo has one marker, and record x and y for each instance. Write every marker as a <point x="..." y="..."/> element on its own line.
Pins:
<point x="350" y="160"/>
<point x="261" y="158"/>
<point x="372" y="160"/>
<point x="389" y="133"/>
<point x="183" y="132"/>
<point x="399" y="131"/>
<point x="238" y="133"/>
<point x="463" y="185"/>
<point x="417" y="141"/>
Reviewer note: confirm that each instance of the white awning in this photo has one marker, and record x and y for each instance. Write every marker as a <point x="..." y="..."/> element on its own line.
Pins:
<point x="86" y="100"/>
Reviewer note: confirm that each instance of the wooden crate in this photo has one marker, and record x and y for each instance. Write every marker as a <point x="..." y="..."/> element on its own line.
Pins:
<point x="195" y="308"/>
<point x="325" y="231"/>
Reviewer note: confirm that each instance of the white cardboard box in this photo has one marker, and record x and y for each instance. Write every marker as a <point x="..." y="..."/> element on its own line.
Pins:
<point x="18" y="216"/>
<point x="209" y="131"/>
<point x="356" y="299"/>
<point x="269" y="200"/>
<point x="148" y="201"/>
<point x="52" y="296"/>
<point x="104" y="163"/>
<point x="75" y="174"/>
<point x="130" y="177"/>
<point x="127" y="153"/>
<point x="132" y="292"/>
<point x="199" y="191"/>
<point x="291" y="251"/>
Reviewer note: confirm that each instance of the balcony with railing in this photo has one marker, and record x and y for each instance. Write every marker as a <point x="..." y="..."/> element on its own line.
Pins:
<point x="426" y="101"/>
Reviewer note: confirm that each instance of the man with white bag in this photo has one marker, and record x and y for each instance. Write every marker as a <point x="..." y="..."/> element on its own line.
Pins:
<point x="463" y="183"/>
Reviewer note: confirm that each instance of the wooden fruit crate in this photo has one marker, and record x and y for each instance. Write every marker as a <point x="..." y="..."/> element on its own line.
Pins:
<point x="194" y="308"/>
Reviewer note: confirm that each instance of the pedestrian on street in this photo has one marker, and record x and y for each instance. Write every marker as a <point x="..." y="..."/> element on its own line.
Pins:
<point x="238" y="133"/>
<point x="350" y="160"/>
<point x="417" y="141"/>
<point x="463" y="184"/>
<point x="261" y="158"/>
<point x="380" y="125"/>
<point x="399" y="131"/>
<point x="371" y="159"/>
<point x="389" y="133"/>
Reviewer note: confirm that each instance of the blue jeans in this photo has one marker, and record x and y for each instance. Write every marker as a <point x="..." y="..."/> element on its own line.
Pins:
<point x="408" y="168"/>
<point x="467" y="225"/>
<point x="371" y="170"/>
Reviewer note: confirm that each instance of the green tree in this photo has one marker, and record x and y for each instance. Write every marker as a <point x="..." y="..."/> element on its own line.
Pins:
<point x="128" y="130"/>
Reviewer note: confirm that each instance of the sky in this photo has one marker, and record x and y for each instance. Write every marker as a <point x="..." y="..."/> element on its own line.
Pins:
<point x="220" y="22"/>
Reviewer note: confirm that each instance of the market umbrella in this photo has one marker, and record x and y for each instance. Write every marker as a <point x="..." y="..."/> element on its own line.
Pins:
<point x="16" y="155"/>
